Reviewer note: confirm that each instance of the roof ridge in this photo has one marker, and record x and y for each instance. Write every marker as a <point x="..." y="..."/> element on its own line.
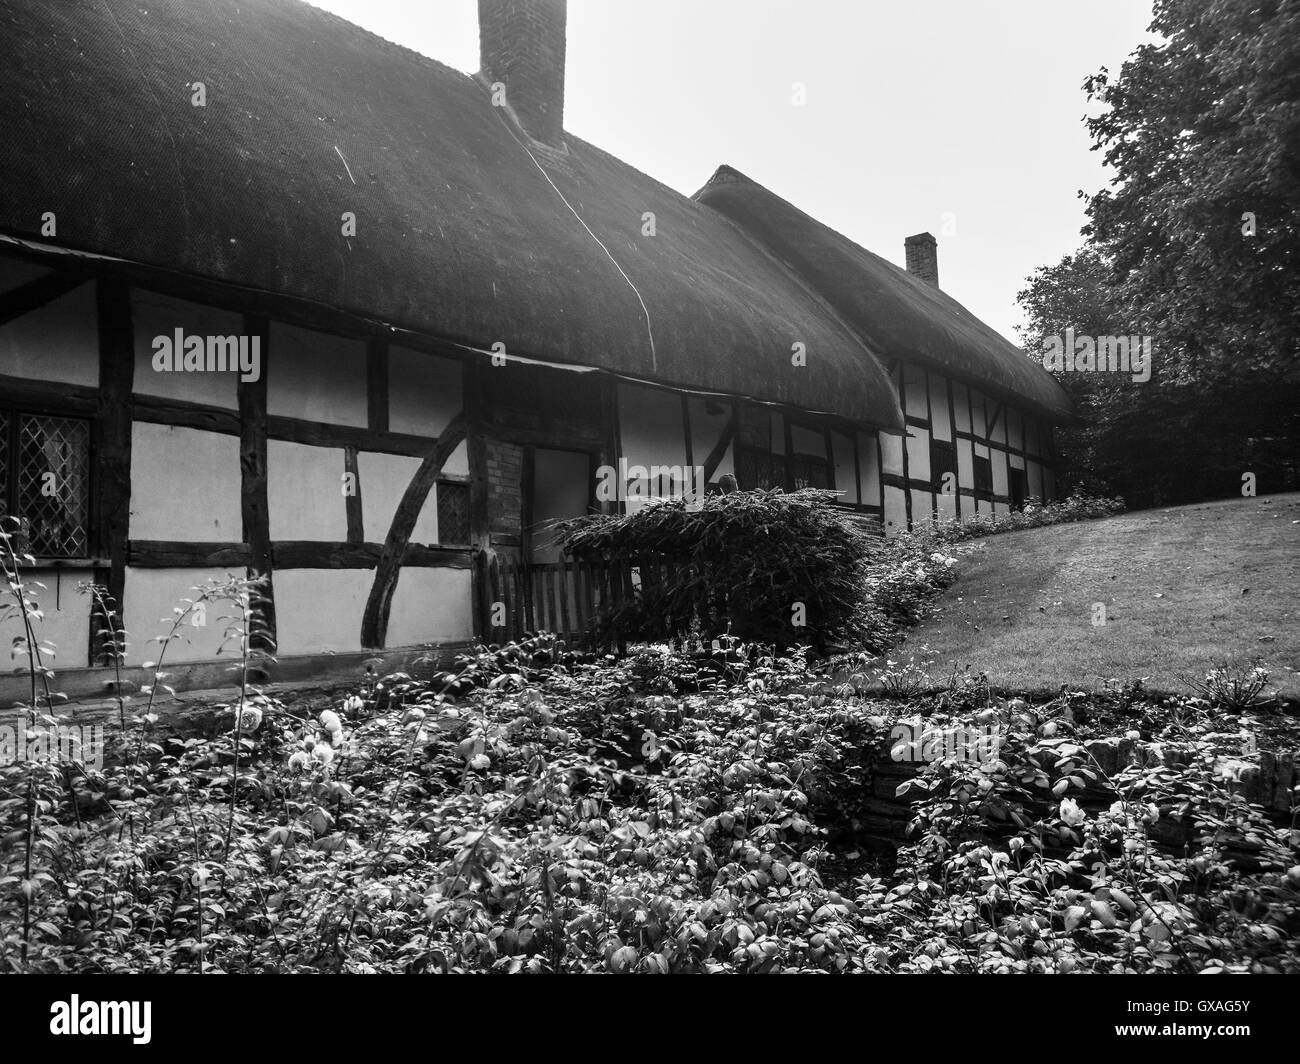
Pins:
<point x="726" y="174"/>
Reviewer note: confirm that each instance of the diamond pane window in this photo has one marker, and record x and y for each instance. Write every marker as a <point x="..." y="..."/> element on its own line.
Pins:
<point x="48" y="480"/>
<point x="453" y="512"/>
<point x="809" y="471"/>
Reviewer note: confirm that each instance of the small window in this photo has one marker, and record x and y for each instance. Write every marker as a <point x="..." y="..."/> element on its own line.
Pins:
<point x="809" y="471"/>
<point x="453" y="512"/>
<point x="943" y="459"/>
<point x="757" y="470"/>
<point x="983" y="475"/>
<point x="1019" y="488"/>
<point x="45" y="482"/>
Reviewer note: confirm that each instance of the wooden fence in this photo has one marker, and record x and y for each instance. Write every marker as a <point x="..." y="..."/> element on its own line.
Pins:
<point x="567" y="597"/>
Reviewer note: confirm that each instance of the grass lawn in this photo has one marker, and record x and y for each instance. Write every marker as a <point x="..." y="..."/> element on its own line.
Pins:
<point x="1183" y="588"/>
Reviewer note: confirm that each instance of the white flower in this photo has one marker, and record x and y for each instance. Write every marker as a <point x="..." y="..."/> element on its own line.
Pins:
<point x="1071" y="813"/>
<point x="324" y="754"/>
<point x="329" y="720"/>
<point x="353" y="704"/>
<point x="299" y="760"/>
<point x="250" y="716"/>
<point x="1231" y="769"/>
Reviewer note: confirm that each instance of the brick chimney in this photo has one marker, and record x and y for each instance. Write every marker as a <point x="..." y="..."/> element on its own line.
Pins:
<point x="923" y="257"/>
<point x="521" y="44"/>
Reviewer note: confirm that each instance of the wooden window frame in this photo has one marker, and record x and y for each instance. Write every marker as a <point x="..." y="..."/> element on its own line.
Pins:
<point x="15" y="411"/>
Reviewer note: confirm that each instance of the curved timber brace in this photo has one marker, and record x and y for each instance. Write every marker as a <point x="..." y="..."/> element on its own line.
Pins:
<point x="374" y="622"/>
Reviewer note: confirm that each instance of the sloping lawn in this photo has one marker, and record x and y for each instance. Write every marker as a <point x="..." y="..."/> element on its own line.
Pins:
<point x="1183" y="589"/>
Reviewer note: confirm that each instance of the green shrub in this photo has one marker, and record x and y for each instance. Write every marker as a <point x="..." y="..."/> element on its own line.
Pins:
<point x="768" y="567"/>
<point x="1035" y="514"/>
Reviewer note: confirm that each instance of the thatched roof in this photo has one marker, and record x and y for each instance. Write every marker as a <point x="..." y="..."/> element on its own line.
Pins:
<point x="459" y="232"/>
<point x="899" y="315"/>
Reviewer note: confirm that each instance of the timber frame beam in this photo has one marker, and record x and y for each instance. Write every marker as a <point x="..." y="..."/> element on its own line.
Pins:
<point x="111" y="455"/>
<point x="374" y="622"/>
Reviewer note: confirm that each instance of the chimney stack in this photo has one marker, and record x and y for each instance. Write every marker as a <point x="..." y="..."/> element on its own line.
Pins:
<point x="923" y="257"/>
<point x="521" y="45"/>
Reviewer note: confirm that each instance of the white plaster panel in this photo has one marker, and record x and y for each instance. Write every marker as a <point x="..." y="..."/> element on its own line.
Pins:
<point x="947" y="506"/>
<point x="846" y="473"/>
<point x="915" y="387"/>
<point x="1014" y="437"/>
<point x="384" y="478"/>
<point x="961" y="406"/>
<point x="65" y="621"/>
<point x="869" y="486"/>
<point x="318" y="610"/>
<point x="150" y="597"/>
<point x="1034" y="475"/>
<point x="707" y="429"/>
<point x="155" y="315"/>
<point x="56" y="342"/>
<point x="998" y="460"/>
<point x="650" y="426"/>
<point x="304" y="488"/>
<point x="185" y="484"/>
<point x="918" y="454"/>
<point x="965" y="464"/>
<point x="430" y="606"/>
<point x="922" y="507"/>
<point x="891" y="454"/>
<point x="940" y="421"/>
<point x="895" y="510"/>
<point x="316" y="376"/>
<point x="997" y="415"/>
<point x="424" y="392"/>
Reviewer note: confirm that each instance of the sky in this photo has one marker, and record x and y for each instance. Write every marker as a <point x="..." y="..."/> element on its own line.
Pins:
<point x="963" y="118"/>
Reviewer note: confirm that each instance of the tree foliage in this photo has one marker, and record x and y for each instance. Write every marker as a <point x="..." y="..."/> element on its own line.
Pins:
<point x="1196" y="244"/>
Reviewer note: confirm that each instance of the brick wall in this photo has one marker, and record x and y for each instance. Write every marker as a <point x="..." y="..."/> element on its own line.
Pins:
<point x="504" y="491"/>
<point x="521" y="43"/>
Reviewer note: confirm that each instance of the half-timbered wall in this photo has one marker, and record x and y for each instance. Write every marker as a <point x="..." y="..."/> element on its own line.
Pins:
<point x="966" y="453"/>
<point x="186" y="476"/>
<point x="194" y="475"/>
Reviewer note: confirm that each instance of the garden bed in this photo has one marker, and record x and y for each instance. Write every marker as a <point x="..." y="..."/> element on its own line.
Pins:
<point x="597" y="817"/>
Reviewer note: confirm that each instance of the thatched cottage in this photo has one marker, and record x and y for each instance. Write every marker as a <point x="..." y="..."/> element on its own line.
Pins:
<point x="278" y="295"/>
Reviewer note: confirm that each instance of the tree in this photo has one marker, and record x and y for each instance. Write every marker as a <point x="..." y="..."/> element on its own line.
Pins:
<point x="1202" y="225"/>
<point x="1196" y="244"/>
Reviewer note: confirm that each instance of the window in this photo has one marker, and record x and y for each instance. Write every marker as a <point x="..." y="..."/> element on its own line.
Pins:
<point x="943" y="459"/>
<point x="756" y="469"/>
<point x="45" y="481"/>
<point x="453" y="512"/>
<point x="984" y="475"/>
<point x="1019" y="488"/>
<point x="809" y="471"/>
